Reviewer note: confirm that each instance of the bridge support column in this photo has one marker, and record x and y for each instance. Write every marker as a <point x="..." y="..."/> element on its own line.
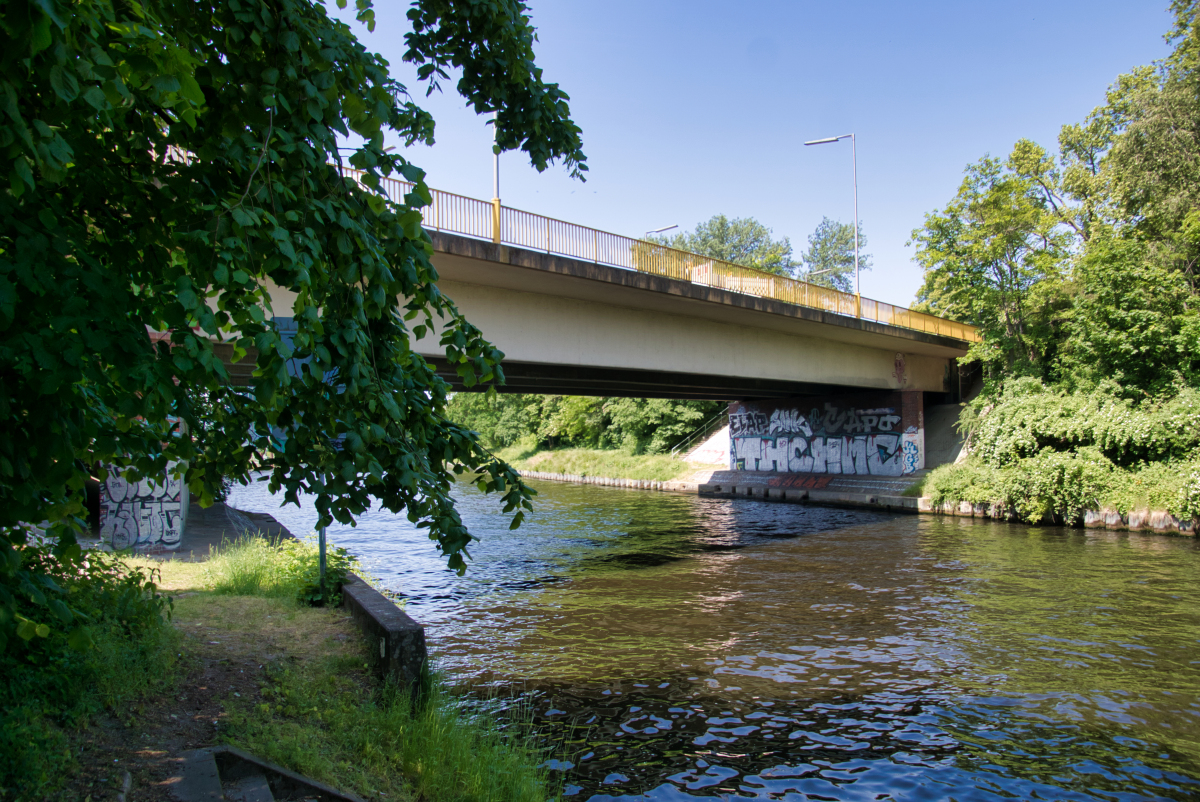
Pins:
<point x="869" y="434"/>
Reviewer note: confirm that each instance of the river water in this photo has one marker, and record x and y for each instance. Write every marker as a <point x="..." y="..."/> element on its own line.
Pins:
<point x="676" y="646"/>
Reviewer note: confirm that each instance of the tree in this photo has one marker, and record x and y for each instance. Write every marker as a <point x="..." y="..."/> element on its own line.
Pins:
<point x="829" y="260"/>
<point x="1151" y="170"/>
<point x="995" y="257"/>
<point x="1133" y="325"/>
<point x="167" y="163"/>
<point x="742" y="241"/>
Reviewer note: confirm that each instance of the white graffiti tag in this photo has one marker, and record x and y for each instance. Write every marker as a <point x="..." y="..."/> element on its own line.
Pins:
<point x="789" y="421"/>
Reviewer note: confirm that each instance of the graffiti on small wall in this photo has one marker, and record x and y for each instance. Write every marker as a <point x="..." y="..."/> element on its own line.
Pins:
<point x="141" y="515"/>
<point x="832" y="438"/>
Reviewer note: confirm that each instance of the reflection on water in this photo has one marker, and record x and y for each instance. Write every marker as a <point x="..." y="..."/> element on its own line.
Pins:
<point x="678" y="646"/>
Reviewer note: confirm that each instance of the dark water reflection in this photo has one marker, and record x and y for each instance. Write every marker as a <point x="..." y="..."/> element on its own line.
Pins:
<point x="677" y="646"/>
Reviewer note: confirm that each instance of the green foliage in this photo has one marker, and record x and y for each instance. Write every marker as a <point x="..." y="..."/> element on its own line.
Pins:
<point x="1027" y="417"/>
<point x="1059" y="486"/>
<point x="168" y="164"/>
<point x="1135" y="321"/>
<point x="639" y="425"/>
<point x="114" y="648"/>
<point x="655" y="425"/>
<point x="257" y="566"/>
<point x="1082" y="272"/>
<point x="995" y="258"/>
<point x="741" y="240"/>
<point x="829" y="260"/>
<point x="1189" y="496"/>
<point x="1082" y="269"/>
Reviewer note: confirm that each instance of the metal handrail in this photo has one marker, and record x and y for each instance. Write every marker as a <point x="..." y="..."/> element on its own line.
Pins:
<point x="704" y="431"/>
<point x="472" y="217"/>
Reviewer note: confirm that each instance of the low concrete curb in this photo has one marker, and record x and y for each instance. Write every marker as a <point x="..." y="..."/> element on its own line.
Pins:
<point x="397" y="642"/>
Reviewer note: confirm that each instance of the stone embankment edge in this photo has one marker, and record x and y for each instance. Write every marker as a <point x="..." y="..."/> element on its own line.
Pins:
<point x="1159" y="521"/>
<point x="397" y="642"/>
<point x="606" y="481"/>
<point x="829" y="497"/>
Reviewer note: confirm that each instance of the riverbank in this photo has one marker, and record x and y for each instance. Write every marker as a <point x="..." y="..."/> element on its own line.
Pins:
<point x="244" y="663"/>
<point x="901" y="494"/>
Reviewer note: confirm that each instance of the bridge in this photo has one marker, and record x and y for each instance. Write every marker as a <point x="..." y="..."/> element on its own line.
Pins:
<point x="580" y="311"/>
<point x="819" y="381"/>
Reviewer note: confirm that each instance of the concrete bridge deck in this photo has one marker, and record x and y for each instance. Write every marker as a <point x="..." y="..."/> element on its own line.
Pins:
<point x="573" y="326"/>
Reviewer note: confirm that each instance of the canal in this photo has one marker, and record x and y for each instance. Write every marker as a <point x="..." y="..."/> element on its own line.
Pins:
<point x="675" y="646"/>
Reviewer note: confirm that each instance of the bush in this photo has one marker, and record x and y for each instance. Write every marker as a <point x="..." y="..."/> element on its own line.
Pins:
<point x="1027" y="418"/>
<point x="1064" y="484"/>
<point x="109" y="643"/>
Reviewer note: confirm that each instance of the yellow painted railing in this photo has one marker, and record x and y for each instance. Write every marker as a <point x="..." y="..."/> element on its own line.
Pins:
<point x="459" y="214"/>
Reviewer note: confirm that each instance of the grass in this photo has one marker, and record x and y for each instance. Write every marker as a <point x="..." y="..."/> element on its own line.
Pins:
<point x="598" y="462"/>
<point x="320" y="711"/>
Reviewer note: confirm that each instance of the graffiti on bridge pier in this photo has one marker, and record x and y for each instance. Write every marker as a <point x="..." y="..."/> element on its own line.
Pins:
<point x="141" y="515"/>
<point x="834" y="437"/>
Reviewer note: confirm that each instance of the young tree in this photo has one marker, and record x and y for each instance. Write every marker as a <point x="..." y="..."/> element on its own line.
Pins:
<point x="995" y="257"/>
<point x="829" y="260"/>
<point x="742" y="241"/>
<point x="168" y="162"/>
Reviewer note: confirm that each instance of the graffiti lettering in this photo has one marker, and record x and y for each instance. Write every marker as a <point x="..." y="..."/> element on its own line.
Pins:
<point x="830" y="439"/>
<point x="140" y="514"/>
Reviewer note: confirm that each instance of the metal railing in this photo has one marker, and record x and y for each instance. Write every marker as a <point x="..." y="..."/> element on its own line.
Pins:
<point x="471" y="217"/>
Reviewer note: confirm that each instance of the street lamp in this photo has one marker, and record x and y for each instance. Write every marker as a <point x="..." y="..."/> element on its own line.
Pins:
<point x="661" y="230"/>
<point x="854" y="160"/>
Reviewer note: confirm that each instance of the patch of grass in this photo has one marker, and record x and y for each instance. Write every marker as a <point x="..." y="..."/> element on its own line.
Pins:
<point x="325" y="719"/>
<point x="597" y="462"/>
<point x="257" y="566"/>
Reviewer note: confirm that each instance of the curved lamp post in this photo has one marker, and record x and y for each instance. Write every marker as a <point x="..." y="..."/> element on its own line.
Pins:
<point x="854" y="161"/>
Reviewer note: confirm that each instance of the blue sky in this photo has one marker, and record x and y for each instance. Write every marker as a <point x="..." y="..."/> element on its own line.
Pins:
<point x="691" y="109"/>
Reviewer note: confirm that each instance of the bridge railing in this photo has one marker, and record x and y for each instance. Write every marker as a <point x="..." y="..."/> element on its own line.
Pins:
<point x="472" y="217"/>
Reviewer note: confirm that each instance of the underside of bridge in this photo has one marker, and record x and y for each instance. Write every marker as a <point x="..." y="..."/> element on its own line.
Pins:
<point x="524" y="377"/>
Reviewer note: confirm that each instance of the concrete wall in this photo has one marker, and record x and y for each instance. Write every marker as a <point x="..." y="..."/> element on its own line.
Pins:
<point x="142" y="516"/>
<point x="878" y="434"/>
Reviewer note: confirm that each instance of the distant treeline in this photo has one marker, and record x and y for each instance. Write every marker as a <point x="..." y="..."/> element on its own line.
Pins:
<point x="637" y="425"/>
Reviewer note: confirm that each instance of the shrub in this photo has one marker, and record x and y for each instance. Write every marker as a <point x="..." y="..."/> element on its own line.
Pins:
<point x="1027" y="417"/>
<point x="108" y="643"/>
<point x="1188" y="504"/>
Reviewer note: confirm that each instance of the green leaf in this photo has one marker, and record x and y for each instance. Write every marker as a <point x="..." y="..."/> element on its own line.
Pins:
<point x="26" y="629"/>
<point x="64" y="83"/>
<point x="40" y="38"/>
<point x="190" y="89"/>
<point x="95" y="98"/>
